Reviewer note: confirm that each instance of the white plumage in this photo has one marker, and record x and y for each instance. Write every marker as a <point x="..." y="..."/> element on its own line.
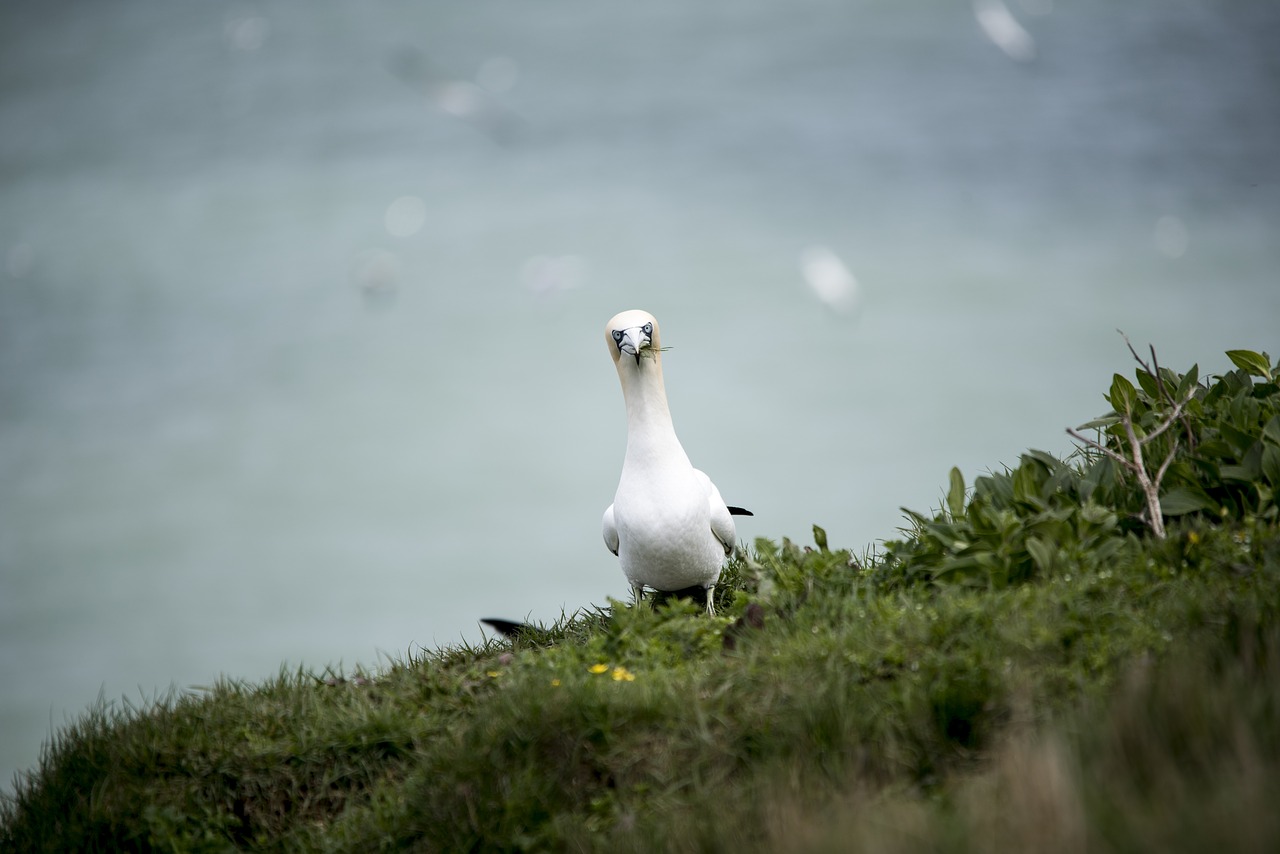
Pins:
<point x="668" y="524"/>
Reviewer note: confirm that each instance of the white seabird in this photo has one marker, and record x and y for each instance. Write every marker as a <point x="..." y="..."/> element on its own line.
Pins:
<point x="667" y="524"/>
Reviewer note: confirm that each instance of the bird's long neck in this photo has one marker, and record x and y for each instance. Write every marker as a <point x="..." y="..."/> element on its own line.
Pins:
<point x="649" y="428"/>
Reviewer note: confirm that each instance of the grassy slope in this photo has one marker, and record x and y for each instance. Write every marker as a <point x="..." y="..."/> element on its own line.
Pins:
<point x="1025" y="699"/>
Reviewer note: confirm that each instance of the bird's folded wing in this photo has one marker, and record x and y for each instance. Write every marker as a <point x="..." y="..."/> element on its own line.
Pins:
<point x="721" y="520"/>
<point x="610" y="530"/>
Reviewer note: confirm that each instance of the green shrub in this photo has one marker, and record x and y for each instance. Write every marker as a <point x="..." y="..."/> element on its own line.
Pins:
<point x="1050" y="516"/>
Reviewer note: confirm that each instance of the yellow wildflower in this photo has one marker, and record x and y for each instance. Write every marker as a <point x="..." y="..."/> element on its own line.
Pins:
<point x="555" y="683"/>
<point x="622" y="674"/>
<point x="492" y="674"/>
<point x="598" y="668"/>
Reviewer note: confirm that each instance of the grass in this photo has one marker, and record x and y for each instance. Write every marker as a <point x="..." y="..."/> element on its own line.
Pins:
<point x="959" y="691"/>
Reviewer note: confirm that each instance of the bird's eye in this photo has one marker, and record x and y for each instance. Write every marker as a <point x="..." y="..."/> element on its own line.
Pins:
<point x="647" y="328"/>
<point x="617" y="335"/>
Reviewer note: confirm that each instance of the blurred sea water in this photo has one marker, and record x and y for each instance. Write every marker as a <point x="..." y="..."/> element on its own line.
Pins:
<point x="301" y="304"/>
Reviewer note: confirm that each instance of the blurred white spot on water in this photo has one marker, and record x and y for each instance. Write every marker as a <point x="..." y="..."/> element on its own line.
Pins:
<point x="1004" y="30"/>
<point x="246" y="32"/>
<point x="405" y="216"/>
<point x="459" y="98"/>
<point x="376" y="272"/>
<point x="462" y="99"/>
<point x="19" y="260"/>
<point x="545" y="274"/>
<point x="498" y="74"/>
<point x="1171" y="237"/>
<point x="829" y="278"/>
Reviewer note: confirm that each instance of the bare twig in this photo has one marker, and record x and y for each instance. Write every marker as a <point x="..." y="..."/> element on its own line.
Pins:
<point x="1155" y="372"/>
<point x="1165" y="395"/>
<point x="1164" y="466"/>
<point x="1097" y="447"/>
<point x="1135" y="463"/>
<point x="1136" y="357"/>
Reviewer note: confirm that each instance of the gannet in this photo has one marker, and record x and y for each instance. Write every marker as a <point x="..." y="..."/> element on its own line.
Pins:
<point x="667" y="524"/>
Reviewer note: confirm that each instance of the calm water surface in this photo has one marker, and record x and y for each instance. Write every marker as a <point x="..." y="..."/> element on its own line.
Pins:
<point x="301" y="304"/>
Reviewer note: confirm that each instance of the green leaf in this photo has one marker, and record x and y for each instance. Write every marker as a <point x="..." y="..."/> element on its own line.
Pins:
<point x="918" y="520"/>
<point x="1252" y="460"/>
<point x="1103" y="518"/>
<point x="1236" y="473"/>
<point x="820" y="538"/>
<point x="1104" y="421"/>
<point x="1244" y="411"/>
<point x="958" y="567"/>
<point x="1239" y="439"/>
<point x="1215" y="449"/>
<point x="945" y="536"/>
<point x="1148" y="384"/>
<point x="1189" y="381"/>
<point x="1182" y="500"/>
<point x="1250" y="468"/>
<point x="1247" y="360"/>
<point x="1045" y="458"/>
<point x="1271" y="465"/>
<point x="1271" y="432"/>
<point x="1026" y="484"/>
<point x="1123" y="395"/>
<point x="1042" y="554"/>
<point x="955" y="495"/>
<point x="996" y="489"/>
<point x="1102" y="473"/>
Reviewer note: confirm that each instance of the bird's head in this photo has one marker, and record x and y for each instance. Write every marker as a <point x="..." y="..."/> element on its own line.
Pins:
<point x="634" y="334"/>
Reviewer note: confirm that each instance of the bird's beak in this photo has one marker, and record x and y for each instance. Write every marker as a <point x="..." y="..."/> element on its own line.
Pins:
<point x="633" y="341"/>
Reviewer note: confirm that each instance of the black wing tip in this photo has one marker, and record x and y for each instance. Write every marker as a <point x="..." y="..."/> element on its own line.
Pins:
<point x="506" y="628"/>
<point x="739" y="511"/>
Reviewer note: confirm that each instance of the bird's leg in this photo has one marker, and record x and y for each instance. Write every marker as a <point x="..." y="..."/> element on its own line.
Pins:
<point x="711" y="601"/>
<point x="637" y="590"/>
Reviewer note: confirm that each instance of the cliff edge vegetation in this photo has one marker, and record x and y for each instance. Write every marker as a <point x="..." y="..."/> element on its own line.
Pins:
<point x="1067" y="655"/>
